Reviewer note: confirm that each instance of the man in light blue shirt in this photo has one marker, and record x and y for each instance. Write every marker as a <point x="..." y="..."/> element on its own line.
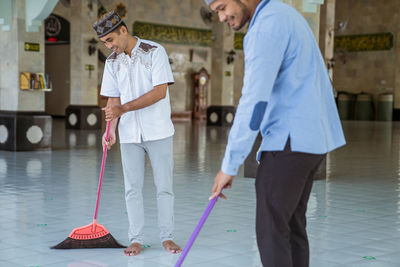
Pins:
<point x="287" y="97"/>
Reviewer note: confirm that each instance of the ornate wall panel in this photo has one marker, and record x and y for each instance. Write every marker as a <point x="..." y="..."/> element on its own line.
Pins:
<point x="364" y="42"/>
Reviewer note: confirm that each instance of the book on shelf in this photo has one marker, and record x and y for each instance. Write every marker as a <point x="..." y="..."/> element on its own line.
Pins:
<point x="47" y="81"/>
<point x="35" y="81"/>
<point x="25" y="80"/>
<point x="41" y="81"/>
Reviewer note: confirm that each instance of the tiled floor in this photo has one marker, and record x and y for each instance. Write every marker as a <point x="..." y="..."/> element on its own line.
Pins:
<point x="353" y="216"/>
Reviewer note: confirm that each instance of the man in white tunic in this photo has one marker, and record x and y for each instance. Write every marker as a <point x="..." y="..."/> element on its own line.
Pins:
<point x="135" y="80"/>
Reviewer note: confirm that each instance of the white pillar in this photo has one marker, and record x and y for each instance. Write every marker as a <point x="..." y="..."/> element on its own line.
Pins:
<point x="83" y="112"/>
<point x="222" y="72"/>
<point x="83" y="81"/>
<point x="23" y="123"/>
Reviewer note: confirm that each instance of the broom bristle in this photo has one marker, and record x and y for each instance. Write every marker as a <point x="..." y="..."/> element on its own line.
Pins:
<point x="106" y="241"/>
<point x="93" y="235"/>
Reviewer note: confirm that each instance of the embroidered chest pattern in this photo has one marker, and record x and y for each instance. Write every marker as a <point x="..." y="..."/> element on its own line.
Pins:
<point x="141" y="54"/>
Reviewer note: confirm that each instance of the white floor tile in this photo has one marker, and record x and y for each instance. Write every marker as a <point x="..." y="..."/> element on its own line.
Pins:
<point x="353" y="215"/>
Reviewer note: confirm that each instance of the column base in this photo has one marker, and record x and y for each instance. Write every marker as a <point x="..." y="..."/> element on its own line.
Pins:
<point x="25" y="131"/>
<point x="220" y="115"/>
<point x="83" y="117"/>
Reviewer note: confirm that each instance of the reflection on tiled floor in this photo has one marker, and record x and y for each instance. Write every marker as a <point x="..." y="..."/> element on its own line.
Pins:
<point x="353" y="216"/>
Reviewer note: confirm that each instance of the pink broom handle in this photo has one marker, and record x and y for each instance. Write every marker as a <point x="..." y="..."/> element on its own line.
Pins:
<point x="103" y="163"/>
<point x="196" y="231"/>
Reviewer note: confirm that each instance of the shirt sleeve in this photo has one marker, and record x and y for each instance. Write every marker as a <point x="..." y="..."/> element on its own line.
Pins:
<point x="264" y="53"/>
<point x="109" y="84"/>
<point x="161" y="70"/>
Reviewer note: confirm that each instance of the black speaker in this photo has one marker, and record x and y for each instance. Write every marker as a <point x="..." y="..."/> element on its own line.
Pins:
<point x="220" y="115"/>
<point x="83" y="117"/>
<point x="25" y="131"/>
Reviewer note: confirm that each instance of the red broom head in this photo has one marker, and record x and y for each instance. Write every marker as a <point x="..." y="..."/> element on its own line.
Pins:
<point x="89" y="236"/>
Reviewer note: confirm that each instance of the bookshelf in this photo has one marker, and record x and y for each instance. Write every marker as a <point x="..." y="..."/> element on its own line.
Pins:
<point x="35" y="81"/>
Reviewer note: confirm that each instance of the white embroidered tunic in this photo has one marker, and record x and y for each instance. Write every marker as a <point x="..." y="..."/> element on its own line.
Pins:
<point x="131" y="77"/>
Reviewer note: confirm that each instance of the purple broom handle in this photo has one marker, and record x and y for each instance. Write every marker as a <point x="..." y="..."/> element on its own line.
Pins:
<point x="196" y="231"/>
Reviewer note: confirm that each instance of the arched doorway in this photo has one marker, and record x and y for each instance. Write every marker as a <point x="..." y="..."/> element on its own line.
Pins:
<point x="57" y="64"/>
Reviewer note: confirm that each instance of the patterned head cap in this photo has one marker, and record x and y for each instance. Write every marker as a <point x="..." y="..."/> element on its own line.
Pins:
<point x="107" y="23"/>
<point x="209" y="2"/>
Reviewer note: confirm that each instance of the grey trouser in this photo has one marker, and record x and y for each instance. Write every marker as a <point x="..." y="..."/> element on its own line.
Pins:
<point x="160" y="153"/>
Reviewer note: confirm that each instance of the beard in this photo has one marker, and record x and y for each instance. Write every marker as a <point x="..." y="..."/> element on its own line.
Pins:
<point x="245" y="12"/>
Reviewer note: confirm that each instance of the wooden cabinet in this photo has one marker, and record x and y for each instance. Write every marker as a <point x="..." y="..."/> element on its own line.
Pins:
<point x="201" y="81"/>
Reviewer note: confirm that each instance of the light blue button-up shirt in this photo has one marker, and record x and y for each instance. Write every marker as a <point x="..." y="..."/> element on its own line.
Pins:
<point x="286" y="90"/>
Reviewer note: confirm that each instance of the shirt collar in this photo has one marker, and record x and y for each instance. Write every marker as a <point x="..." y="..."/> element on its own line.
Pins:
<point x="122" y="55"/>
<point x="260" y="6"/>
<point x="136" y="45"/>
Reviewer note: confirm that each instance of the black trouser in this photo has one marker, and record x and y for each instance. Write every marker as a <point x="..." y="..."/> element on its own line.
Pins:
<point x="283" y="185"/>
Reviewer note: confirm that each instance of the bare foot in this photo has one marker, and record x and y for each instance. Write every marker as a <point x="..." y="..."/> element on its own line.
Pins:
<point x="170" y="246"/>
<point x="133" y="249"/>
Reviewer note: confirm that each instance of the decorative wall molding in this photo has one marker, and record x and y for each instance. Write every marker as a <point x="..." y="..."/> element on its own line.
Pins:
<point x="178" y="35"/>
<point x="311" y="6"/>
<point x="37" y="11"/>
<point x="364" y="42"/>
<point x="172" y="34"/>
<point x="238" y="41"/>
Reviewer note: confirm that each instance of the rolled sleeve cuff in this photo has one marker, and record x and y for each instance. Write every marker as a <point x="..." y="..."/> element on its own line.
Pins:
<point x="229" y="168"/>
<point x="110" y="95"/>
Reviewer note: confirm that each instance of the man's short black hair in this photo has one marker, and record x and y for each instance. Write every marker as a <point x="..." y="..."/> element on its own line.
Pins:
<point x="119" y="27"/>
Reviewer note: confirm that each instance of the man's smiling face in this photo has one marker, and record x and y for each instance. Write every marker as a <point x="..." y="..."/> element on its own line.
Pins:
<point x="234" y="12"/>
<point x="116" y="40"/>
